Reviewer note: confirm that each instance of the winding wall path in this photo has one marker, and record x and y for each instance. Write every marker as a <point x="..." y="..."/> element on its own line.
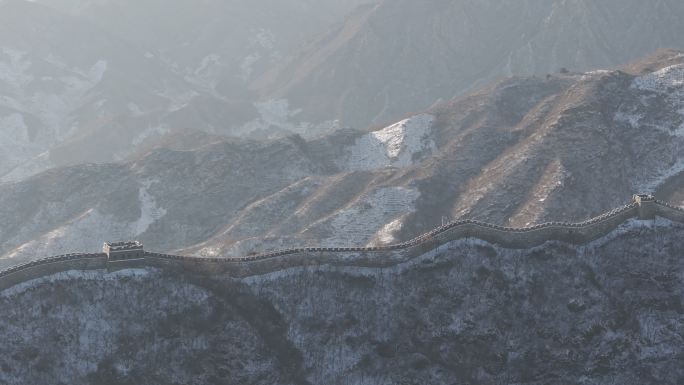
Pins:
<point x="380" y="256"/>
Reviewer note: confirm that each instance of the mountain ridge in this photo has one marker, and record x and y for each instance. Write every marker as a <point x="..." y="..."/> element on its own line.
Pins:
<point x="371" y="69"/>
<point x="643" y="208"/>
<point x="570" y="146"/>
<point x="553" y="314"/>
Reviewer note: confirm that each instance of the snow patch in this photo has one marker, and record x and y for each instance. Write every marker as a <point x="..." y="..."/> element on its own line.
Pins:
<point x="669" y="82"/>
<point x="178" y="100"/>
<point x="276" y="115"/>
<point x="31" y="167"/>
<point x="247" y="65"/>
<point x="393" y="146"/>
<point x="134" y="109"/>
<point x="392" y="138"/>
<point x="629" y="118"/>
<point x="206" y="73"/>
<point x="386" y="233"/>
<point x="86" y="232"/>
<point x="150" y="132"/>
<point x="276" y="112"/>
<point x="355" y="224"/>
<point x="660" y="177"/>
<point x="592" y="74"/>
<point x="599" y="72"/>
<point x="662" y="81"/>
<point x="52" y="108"/>
<point x="97" y="72"/>
<point x="15" y="142"/>
<point x="265" y="38"/>
<point x="14" y="70"/>
<point x="149" y="212"/>
<point x="208" y="61"/>
<point x="13" y="132"/>
<point x="263" y="43"/>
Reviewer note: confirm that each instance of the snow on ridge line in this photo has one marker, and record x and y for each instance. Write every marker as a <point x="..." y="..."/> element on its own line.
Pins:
<point x="392" y="138"/>
<point x="392" y="146"/>
<point x="404" y="135"/>
<point x="661" y="81"/>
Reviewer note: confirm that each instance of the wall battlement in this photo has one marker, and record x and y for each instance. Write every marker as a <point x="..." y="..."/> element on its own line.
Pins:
<point x="646" y="204"/>
<point x="131" y="254"/>
<point x="123" y="250"/>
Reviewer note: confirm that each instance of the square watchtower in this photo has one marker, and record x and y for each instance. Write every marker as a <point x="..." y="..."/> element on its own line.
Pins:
<point x="647" y="206"/>
<point x="121" y="251"/>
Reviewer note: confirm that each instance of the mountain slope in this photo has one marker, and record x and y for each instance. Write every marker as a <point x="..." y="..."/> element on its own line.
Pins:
<point x="468" y="312"/>
<point x="70" y="93"/>
<point x="220" y="44"/>
<point x="404" y="55"/>
<point x="565" y="147"/>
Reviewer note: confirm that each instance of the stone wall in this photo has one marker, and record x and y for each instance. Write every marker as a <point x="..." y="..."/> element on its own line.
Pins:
<point x="666" y="210"/>
<point x="516" y="238"/>
<point x="52" y="265"/>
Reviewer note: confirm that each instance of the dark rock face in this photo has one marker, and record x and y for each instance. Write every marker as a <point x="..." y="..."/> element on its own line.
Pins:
<point x="467" y="313"/>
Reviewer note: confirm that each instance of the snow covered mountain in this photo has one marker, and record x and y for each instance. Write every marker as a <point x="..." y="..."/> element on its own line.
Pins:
<point x="218" y="44"/>
<point x="101" y="81"/>
<point x="404" y="55"/>
<point x="71" y="93"/>
<point x="80" y="85"/>
<point x="567" y="147"/>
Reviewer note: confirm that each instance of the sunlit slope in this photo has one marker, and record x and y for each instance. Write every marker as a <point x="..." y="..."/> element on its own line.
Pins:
<point x="518" y="152"/>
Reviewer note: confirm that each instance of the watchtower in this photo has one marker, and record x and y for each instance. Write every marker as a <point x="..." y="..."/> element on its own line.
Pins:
<point x="122" y="251"/>
<point x="647" y="206"/>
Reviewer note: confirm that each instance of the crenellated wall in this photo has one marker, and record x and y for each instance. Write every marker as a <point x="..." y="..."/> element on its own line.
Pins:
<point x="516" y="238"/>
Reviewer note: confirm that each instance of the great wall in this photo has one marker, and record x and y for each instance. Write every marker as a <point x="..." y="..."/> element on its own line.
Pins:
<point x="126" y="255"/>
